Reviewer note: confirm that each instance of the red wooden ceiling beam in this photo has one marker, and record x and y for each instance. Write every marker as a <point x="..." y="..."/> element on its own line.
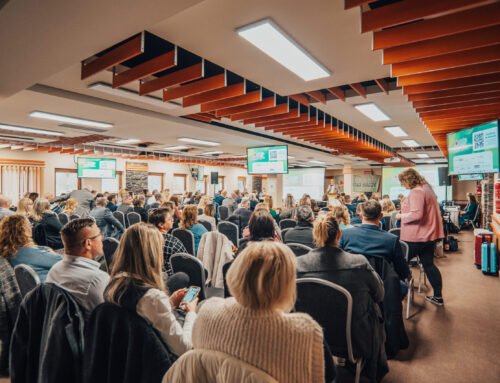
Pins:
<point x="448" y="74"/>
<point x="458" y="105"/>
<point x="337" y="92"/>
<point x="458" y="123"/>
<point x="43" y="148"/>
<point x="280" y="109"/>
<point x="317" y="95"/>
<point x="451" y="100"/>
<point x="472" y="110"/>
<point x="313" y="122"/>
<point x="451" y="24"/>
<point x="450" y="60"/>
<point x="266" y="103"/>
<point x="461" y="92"/>
<point x="215" y="95"/>
<point x="148" y="68"/>
<point x="464" y="84"/>
<point x="301" y="98"/>
<point x="348" y="4"/>
<point x="459" y="119"/>
<point x="410" y="10"/>
<point x="293" y="113"/>
<point x="302" y="118"/>
<point x="382" y="84"/>
<point x="196" y="87"/>
<point x="245" y="99"/>
<point x="180" y="76"/>
<point x="114" y="57"/>
<point x="198" y="117"/>
<point x="443" y="45"/>
<point x="359" y="89"/>
<point x="54" y="149"/>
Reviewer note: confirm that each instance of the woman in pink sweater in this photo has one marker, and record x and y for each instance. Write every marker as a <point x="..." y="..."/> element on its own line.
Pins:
<point x="421" y="226"/>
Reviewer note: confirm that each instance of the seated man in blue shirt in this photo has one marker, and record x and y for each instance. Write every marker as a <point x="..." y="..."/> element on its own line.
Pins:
<point x="371" y="241"/>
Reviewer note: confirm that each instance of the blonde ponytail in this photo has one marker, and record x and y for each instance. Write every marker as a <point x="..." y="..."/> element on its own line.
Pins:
<point x="325" y="230"/>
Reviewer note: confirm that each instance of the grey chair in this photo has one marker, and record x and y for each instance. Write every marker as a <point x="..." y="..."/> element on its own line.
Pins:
<point x="313" y="296"/>
<point x="187" y="239"/>
<point x="193" y="267"/>
<point x="410" y="282"/>
<point x="133" y="218"/>
<point x="74" y="216"/>
<point x="109" y="246"/>
<point x="286" y="223"/>
<point x="230" y="230"/>
<point x="63" y="218"/>
<point x="120" y="217"/>
<point x="396" y="231"/>
<point x="284" y="231"/>
<point x="299" y="249"/>
<point x="421" y="270"/>
<point x="207" y="224"/>
<point x="472" y="221"/>
<point x="26" y="278"/>
<point x="223" y="212"/>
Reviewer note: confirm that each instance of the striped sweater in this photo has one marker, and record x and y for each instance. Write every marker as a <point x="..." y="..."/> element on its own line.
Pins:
<point x="289" y="347"/>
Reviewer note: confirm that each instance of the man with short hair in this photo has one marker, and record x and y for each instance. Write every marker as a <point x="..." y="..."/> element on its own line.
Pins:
<point x="356" y="220"/>
<point x="4" y="207"/>
<point x="158" y="201"/>
<point x="78" y="272"/>
<point x="303" y="232"/>
<point x="109" y="225"/>
<point x="112" y="206"/>
<point x="126" y="207"/>
<point x="230" y="202"/>
<point x="244" y="209"/>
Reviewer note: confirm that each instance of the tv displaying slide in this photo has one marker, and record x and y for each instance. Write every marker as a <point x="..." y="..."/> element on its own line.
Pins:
<point x="96" y="167"/>
<point x="392" y="187"/>
<point x="304" y="181"/>
<point x="470" y="177"/>
<point x="474" y="150"/>
<point x="267" y="160"/>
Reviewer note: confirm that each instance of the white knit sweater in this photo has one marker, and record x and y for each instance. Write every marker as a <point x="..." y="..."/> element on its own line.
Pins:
<point x="289" y="347"/>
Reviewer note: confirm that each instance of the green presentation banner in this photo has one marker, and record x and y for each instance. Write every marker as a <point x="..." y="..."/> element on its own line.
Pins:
<point x="267" y="160"/>
<point x="365" y="183"/>
<point x="96" y="167"/>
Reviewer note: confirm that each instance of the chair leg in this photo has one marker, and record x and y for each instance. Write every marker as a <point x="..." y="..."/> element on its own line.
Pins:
<point x="419" y="278"/>
<point x="358" y="371"/>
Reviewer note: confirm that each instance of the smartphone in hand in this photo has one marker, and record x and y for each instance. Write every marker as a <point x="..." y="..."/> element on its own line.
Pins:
<point x="191" y="294"/>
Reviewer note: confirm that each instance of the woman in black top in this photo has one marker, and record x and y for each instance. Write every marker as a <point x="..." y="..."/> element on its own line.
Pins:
<point x="139" y="203"/>
<point x="42" y="215"/>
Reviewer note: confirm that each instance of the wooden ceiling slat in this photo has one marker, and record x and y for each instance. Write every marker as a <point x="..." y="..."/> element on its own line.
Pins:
<point x="198" y="117"/>
<point x="279" y="109"/>
<point x="214" y="95"/>
<point x="450" y="60"/>
<point x="465" y="111"/>
<point x="382" y="84"/>
<point x="114" y="57"/>
<point x="313" y="122"/>
<point x="458" y="123"/>
<point x="196" y="87"/>
<point x="266" y="103"/>
<point x="301" y="98"/>
<point x="302" y="118"/>
<point x="348" y="4"/>
<point x="410" y="10"/>
<point x="443" y="45"/>
<point x="194" y="72"/>
<point x="458" y="105"/>
<point x="460" y="119"/>
<point x="293" y="113"/>
<point x="449" y="74"/>
<point x="337" y="92"/>
<point x="245" y="99"/>
<point x="359" y="89"/>
<point x="451" y="100"/>
<point x="458" y="22"/>
<point x="148" y="68"/>
<point x="485" y="88"/>
<point x="311" y="128"/>
<point x="317" y="95"/>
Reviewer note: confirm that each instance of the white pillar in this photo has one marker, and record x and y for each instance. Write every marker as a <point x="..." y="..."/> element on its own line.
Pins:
<point x="347" y="179"/>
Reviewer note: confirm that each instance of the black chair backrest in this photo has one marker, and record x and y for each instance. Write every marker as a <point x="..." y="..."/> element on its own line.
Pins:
<point x="40" y="234"/>
<point x="133" y="218"/>
<point x="225" y="269"/>
<point x="406" y="249"/>
<point x="109" y="246"/>
<point x="320" y="298"/>
<point x="207" y="224"/>
<point x="230" y="230"/>
<point x="120" y="217"/>
<point x="63" y="218"/>
<point x="223" y="212"/>
<point x="193" y="267"/>
<point x="200" y="211"/>
<point x="396" y="231"/>
<point x="74" y="216"/>
<point x="187" y="239"/>
<point x="284" y="231"/>
<point x="285" y="223"/>
<point x="386" y="223"/>
<point x="299" y="249"/>
<point x="26" y="278"/>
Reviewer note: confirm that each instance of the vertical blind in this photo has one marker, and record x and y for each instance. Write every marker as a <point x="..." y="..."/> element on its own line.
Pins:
<point x="16" y="180"/>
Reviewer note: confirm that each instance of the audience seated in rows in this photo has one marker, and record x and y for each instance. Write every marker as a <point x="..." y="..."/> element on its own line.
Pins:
<point x="126" y="207"/>
<point x="230" y="202"/>
<point x="303" y="232"/>
<point x="209" y="216"/>
<point x="17" y="246"/>
<point x="353" y="272"/>
<point x="189" y="222"/>
<point x="341" y="214"/>
<point x="112" y="203"/>
<point x="109" y="225"/>
<point x="139" y="203"/>
<point x="48" y="232"/>
<point x="260" y="228"/>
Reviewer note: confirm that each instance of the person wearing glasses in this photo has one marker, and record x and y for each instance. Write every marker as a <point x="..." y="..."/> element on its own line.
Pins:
<point x="78" y="272"/>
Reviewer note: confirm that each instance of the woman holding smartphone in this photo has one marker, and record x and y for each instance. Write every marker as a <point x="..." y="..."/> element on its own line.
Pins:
<point x="136" y="275"/>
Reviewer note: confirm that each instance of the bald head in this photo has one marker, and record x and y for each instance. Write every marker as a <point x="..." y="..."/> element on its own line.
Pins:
<point x="4" y="201"/>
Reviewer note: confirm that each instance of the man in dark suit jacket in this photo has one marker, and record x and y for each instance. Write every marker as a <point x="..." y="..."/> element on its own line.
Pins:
<point x="109" y="225"/>
<point x="370" y="240"/>
<point x="302" y="233"/>
<point x="126" y="207"/>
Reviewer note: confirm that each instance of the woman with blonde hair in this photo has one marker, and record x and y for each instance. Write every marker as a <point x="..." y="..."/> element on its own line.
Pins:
<point x="71" y="205"/>
<point x="268" y="199"/>
<point x="209" y="215"/>
<point x="17" y="246"/>
<point x="262" y="282"/>
<point x="204" y="201"/>
<point x="421" y="226"/>
<point x="42" y="215"/>
<point x="354" y="273"/>
<point x="342" y="215"/>
<point x="288" y="208"/>
<point x="137" y="281"/>
<point x="25" y="207"/>
<point x="189" y="221"/>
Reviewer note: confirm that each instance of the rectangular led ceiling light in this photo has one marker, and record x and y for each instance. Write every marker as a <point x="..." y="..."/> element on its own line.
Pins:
<point x="177" y="147"/>
<point x="317" y="162"/>
<point x="128" y="141"/>
<point x="199" y="142"/>
<point x="71" y="120"/>
<point x="213" y="152"/>
<point x="422" y="155"/>
<point x="266" y="36"/>
<point x="410" y="143"/>
<point x="396" y="131"/>
<point x="430" y="161"/>
<point x="372" y="111"/>
<point x="29" y="130"/>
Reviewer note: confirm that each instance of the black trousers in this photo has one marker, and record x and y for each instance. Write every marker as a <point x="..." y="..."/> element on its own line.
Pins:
<point x="425" y="250"/>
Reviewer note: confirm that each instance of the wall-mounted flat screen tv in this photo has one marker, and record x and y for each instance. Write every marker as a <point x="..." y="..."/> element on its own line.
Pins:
<point x="267" y="160"/>
<point x="96" y="167"/>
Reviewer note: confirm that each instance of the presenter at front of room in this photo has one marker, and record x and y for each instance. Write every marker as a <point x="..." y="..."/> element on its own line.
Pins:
<point x="332" y="188"/>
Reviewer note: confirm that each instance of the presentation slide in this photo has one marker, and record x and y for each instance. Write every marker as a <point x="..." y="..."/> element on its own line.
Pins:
<point x="304" y="181"/>
<point x="391" y="185"/>
<point x="267" y="160"/>
<point x="474" y="150"/>
<point x="96" y="167"/>
<point x="470" y="177"/>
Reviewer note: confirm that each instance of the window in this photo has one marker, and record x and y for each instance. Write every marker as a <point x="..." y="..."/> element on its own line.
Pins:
<point x="112" y="185"/>
<point x="220" y="185"/>
<point x="201" y="186"/>
<point x="17" y="179"/>
<point x="66" y="181"/>
<point x="155" y="181"/>
<point x="179" y="183"/>
<point x="242" y="183"/>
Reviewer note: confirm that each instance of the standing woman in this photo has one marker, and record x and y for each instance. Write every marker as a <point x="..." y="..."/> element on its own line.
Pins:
<point x="421" y="226"/>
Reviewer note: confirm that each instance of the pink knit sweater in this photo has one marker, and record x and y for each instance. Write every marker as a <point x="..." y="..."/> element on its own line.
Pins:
<point x="289" y="347"/>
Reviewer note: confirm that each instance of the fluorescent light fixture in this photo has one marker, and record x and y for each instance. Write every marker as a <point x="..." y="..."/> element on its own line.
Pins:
<point x="372" y="111"/>
<point x="304" y="165"/>
<point x="430" y="161"/>
<point x="29" y="130"/>
<point x="3" y="146"/>
<point x="289" y="157"/>
<point x="131" y="95"/>
<point x="396" y="131"/>
<point x="410" y="143"/>
<point x="316" y="162"/>
<point x="266" y="36"/>
<point x="71" y="120"/>
<point x="128" y="141"/>
<point x="15" y="147"/>
<point x="237" y="155"/>
<point x="213" y="152"/>
<point x="422" y="155"/>
<point x="199" y="142"/>
<point x="177" y="147"/>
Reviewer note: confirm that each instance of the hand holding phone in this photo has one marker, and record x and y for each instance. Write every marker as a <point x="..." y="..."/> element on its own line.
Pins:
<point x="190" y="300"/>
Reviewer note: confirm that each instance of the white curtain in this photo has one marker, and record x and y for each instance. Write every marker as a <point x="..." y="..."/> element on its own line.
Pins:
<point x="16" y="180"/>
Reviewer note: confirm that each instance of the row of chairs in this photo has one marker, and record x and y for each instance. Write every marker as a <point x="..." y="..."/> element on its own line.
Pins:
<point x="64" y="218"/>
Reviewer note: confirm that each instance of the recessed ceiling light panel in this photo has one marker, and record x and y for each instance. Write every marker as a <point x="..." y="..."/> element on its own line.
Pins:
<point x="128" y="141"/>
<point x="396" y="131"/>
<point x="198" y="142"/>
<point x="71" y="120"/>
<point x="29" y="130"/>
<point x="372" y="111"/>
<point x="177" y="147"/>
<point x="411" y="143"/>
<point x="422" y="155"/>
<point x="213" y="152"/>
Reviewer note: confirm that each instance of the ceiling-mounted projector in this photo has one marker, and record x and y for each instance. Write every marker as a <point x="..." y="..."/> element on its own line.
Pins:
<point x="392" y="160"/>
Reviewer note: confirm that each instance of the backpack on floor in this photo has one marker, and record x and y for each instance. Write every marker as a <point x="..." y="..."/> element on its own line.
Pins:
<point x="451" y="243"/>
